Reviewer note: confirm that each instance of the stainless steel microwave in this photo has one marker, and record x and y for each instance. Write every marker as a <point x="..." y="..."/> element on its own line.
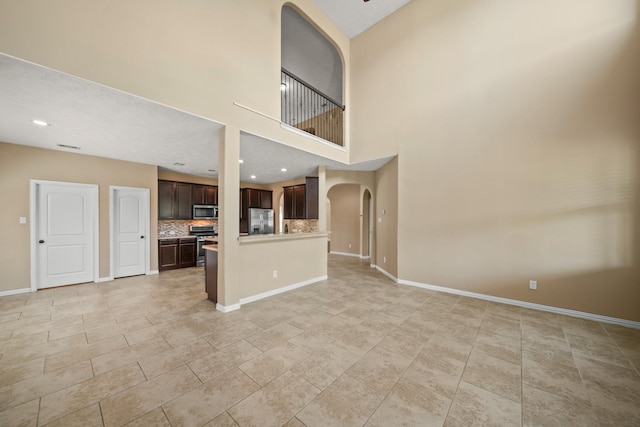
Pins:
<point x="205" y="212"/>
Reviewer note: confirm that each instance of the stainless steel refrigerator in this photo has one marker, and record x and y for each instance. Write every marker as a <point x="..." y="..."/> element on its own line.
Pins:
<point x="260" y="221"/>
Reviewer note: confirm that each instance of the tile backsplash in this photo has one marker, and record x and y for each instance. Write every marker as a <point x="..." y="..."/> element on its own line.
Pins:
<point x="180" y="227"/>
<point x="301" y="225"/>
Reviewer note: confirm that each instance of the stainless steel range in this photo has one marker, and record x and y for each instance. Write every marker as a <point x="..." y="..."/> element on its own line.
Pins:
<point x="202" y="232"/>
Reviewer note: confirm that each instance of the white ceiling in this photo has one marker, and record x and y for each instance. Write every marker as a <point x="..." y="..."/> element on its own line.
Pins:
<point x="354" y="16"/>
<point x="105" y="122"/>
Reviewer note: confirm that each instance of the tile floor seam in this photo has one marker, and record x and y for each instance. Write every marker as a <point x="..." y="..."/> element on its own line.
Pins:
<point x="382" y="401"/>
<point x="38" y="414"/>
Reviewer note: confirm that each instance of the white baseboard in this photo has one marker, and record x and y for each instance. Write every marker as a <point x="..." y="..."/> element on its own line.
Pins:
<point x="153" y="272"/>
<point x="252" y="298"/>
<point x="105" y="279"/>
<point x="227" y="308"/>
<point x="524" y="304"/>
<point x="344" y="254"/>
<point x="15" y="292"/>
<point x="281" y="290"/>
<point x="386" y="273"/>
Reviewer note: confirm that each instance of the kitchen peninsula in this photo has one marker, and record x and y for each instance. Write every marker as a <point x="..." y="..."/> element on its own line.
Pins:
<point x="211" y="270"/>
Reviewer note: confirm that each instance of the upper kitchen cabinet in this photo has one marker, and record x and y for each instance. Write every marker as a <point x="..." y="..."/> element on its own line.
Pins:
<point x="205" y="194"/>
<point x="174" y="200"/>
<point x="301" y="201"/>
<point x="254" y="198"/>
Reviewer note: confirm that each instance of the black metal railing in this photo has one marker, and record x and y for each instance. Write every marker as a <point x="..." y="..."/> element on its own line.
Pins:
<point x="308" y="109"/>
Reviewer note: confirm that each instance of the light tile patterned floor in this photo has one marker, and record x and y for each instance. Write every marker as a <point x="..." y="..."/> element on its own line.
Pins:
<point x="354" y="350"/>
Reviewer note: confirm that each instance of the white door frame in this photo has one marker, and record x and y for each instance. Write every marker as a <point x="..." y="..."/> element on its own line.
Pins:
<point x="33" y="213"/>
<point x="112" y="238"/>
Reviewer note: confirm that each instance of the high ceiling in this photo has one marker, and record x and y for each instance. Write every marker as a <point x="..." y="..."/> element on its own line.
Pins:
<point x="105" y="122"/>
<point x="352" y="17"/>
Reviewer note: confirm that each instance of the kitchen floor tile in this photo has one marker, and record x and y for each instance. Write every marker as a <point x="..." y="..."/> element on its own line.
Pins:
<point x="132" y="403"/>
<point x="356" y="350"/>
<point x="211" y="399"/>
<point x="276" y="403"/>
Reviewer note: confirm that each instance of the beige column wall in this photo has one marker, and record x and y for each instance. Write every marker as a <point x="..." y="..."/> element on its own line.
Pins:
<point x="518" y="136"/>
<point x="385" y="218"/>
<point x="19" y="164"/>
<point x="228" y="214"/>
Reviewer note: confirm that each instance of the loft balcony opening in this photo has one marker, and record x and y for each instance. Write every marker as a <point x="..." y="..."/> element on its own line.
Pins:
<point x="311" y="83"/>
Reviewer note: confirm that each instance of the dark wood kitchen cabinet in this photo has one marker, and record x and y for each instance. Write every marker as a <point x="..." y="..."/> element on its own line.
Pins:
<point x="253" y="198"/>
<point x="301" y="201"/>
<point x="174" y="200"/>
<point x="176" y="253"/>
<point x="211" y="274"/>
<point x="167" y="254"/>
<point x="187" y="249"/>
<point x="205" y="194"/>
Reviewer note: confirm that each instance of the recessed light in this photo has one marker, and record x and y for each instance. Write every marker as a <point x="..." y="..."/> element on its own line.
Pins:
<point x="178" y="164"/>
<point x="253" y="177"/>
<point x="283" y="170"/>
<point x="40" y="122"/>
<point x="241" y="161"/>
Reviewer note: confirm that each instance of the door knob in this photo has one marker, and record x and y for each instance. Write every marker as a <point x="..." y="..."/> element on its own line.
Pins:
<point x="40" y="241"/>
<point x="142" y="237"/>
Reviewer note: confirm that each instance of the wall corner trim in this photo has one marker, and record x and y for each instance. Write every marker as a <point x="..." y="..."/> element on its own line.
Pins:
<point x="273" y="292"/>
<point x="525" y="304"/>
<point x="153" y="272"/>
<point x="15" y="292"/>
<point x="227" y="308"/>
<point x="105" y="279"/>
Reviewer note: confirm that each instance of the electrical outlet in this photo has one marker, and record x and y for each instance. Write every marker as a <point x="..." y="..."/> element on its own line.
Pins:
<point x="533" y="285"/>
<point x="349" y="245"/>
<point x="275" y="273"/>
<point x="23" y="220"/>
<point x="172" y="232"/>
<point x="384" y="259"/>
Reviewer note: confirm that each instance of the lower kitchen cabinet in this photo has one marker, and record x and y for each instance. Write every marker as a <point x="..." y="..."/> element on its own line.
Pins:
<point x="188" y="253"/>
<point x="176" y="253"/>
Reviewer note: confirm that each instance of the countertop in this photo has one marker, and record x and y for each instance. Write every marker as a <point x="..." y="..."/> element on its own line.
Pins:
<point x="210" y="247"/>
<point x="281" y="236"/>
<point x="174" y="236"/>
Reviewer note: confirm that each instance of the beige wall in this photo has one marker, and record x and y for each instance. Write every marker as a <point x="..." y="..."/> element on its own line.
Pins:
<point x="519" y="146"/>
<point x="201" y="57"/>
<point x="385" y="255"/>
<point x="295" y="260"/>
<point x="19" y="164"/>
<point x="345" y="218"/>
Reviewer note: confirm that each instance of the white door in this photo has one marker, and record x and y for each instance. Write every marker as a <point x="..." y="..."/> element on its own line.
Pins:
<point x="130" y="230"/>
<point x="65" y="233"/>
